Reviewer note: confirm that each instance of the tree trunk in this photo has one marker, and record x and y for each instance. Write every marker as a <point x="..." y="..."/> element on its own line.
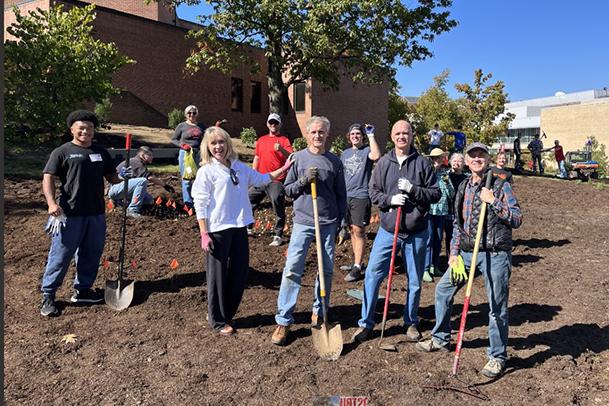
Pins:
<point x="277" y="91"/>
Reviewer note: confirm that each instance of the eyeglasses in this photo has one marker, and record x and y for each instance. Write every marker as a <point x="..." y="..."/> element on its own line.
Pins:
<point x="233" y="176"/>
<point x="273" y="122"/>
<point x="194" y="113"/>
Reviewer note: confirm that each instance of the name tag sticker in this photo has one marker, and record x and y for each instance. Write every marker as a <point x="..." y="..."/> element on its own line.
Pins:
<point x="95" y="157"/>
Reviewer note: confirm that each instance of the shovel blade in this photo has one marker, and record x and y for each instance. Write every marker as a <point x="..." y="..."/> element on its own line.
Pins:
<point x="328" y="341"/>
<point x="119" y="294"/>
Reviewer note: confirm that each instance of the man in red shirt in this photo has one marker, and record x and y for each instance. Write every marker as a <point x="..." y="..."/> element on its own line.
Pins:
<point x="560" y="159"/>
<point x="272" y="150"/>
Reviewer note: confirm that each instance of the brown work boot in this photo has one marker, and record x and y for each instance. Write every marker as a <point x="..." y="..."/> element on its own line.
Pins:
<point x="316" y="321"/>
<point x="280" y="335"/>
<point x="412" y="334"/>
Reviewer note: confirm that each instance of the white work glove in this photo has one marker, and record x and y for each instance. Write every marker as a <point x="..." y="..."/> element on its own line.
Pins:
<point x="55" y="224"/>
<point x="369" y="130"/>
<point x="398" y="200"/>
<point x="404" y="185"/>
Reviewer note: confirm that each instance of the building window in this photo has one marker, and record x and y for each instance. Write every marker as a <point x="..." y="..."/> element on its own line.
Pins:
<point x="236" y="94"/>
<point x="299" y="97"/>
<point x="256" y="101"/>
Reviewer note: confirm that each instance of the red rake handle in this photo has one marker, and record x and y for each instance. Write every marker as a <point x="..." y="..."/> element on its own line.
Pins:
<point x="460" y="335"/>
<point x="392" y="264"/>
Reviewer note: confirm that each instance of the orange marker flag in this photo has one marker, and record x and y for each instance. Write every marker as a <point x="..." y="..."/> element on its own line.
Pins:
<point x="269" y="225"/>
<point x="136" y="199"/>
<point x="174" y="264"/>
<point x="190" y="212"/>
<point x="168" y="204"/>
<point x="158" y="201"/>
<point x="173" y="204"/>
<point x="110" y="205"/>
<point x="106" y="263"/>
<point x="133" y="264"/>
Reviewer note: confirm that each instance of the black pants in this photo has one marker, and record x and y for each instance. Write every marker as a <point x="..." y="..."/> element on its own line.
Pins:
<point x="227" y="268"/>
<point x="537" y="161"/>
<point x="276" y="193"/>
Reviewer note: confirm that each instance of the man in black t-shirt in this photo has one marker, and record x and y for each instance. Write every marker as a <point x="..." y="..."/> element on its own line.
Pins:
<point x="138" y="182"/>
<point x="81" y="168"/>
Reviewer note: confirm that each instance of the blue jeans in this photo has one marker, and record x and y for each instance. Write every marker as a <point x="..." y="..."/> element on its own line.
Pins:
<point x="136" y="193"/>
<point x="302" y="236"/>
<point x="187" y="184"/>
<point x="413" y="253"/>
<point x="434" y="242"/>
<point x="562" y="169"/>
<point x="83" y="237"/>
<point x="496" y="268"/>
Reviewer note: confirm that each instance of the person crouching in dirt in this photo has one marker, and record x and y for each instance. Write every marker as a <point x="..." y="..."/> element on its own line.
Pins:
<point x="314" y="162"/>
<point x="357" y="162"/>
<point x="78" y="222"/>
<point x="494" y="259"/>
<point x="402" y="178"/>
<point x="220" y="194"/>
<point x="138" y="182"/>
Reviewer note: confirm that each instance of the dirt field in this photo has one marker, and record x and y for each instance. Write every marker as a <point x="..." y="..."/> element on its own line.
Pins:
<point x="160" y="351"/>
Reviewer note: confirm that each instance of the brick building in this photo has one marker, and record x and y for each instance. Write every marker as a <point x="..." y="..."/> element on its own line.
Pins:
<point x="153" y="36"/>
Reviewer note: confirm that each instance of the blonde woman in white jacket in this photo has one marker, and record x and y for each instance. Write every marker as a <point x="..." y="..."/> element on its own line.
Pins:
<point x="220" y="193"/>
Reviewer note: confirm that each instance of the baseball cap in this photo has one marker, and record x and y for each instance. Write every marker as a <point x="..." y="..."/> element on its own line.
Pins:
<point x="476" y="145"/>
<point x="356" y="126"/>
<point x="274" y="116"/>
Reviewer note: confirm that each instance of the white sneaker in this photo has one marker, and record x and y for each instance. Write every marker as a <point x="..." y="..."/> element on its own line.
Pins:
<point x="493" y="368"/>
<point x="277" y="241"/>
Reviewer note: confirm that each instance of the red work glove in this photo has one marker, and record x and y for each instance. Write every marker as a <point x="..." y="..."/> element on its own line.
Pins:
<point x="206" y="243"/>
<point x="185" y="147"/>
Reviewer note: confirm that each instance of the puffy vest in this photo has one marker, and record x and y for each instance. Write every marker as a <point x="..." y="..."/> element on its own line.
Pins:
<point x="496" y="234"/>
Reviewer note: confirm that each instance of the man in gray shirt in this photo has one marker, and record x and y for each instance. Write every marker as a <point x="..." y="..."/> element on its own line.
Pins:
<point x="327" y="169"/>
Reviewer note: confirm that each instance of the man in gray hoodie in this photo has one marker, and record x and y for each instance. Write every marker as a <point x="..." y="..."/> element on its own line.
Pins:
<point x="327" y="169"/>
<point x="403" y="178"/>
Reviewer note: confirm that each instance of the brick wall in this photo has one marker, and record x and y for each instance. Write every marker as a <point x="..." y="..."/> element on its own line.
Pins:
<point x="573" y="124"/>
<point x="25" y="6"/>
<point x="154" y="11"/>
<point x="353" y="103"/>
<point x="157" y="83"/>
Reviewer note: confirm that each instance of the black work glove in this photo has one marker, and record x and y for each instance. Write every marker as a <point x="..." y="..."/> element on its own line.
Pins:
<point x="169" y="188"/>
<point x="309" y="175"/>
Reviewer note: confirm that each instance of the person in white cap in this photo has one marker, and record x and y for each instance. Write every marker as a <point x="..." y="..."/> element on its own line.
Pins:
<point x="272" y="151"/>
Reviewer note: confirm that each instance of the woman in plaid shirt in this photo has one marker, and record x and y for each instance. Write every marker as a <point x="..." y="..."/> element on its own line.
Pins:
<point x="437" y="215"/>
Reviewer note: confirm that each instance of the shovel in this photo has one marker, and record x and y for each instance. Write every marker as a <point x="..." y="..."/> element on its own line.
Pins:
<point x="327" y="340"/>
<point x="119" y="293"/>
<point x="390" y="347"/>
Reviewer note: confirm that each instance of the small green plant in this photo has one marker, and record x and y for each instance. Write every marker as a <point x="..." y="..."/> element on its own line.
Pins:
<point x="599" y="186"/>
<point x="338" y="145"/>
<point x="299" y="143"/>
<point x="175" y="117"/>
<point x="248" y="137"/>
<point x="102" y="110"/>
<point x="599" y="155"/>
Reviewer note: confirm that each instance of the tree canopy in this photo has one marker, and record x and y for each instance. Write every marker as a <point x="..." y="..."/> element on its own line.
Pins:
<point x="302" y="39"/>
<point x="51" y="67"/>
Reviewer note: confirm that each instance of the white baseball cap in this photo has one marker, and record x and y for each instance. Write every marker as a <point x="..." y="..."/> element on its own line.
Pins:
<point x="274" y="116"/>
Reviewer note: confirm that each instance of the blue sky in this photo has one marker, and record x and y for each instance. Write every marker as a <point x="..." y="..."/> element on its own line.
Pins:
<point x="537" y="47"/>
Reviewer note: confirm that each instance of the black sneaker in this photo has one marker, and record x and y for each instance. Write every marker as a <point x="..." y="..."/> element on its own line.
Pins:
<point x="48" y="307"/>
<point x="87" y="296"/>
<point x="355" y="274"/>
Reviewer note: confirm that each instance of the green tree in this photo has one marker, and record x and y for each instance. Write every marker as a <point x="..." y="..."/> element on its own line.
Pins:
<point x="435" y="106"/>
<point x="319" y="39"/>
<point x="52" y="66"/>
<point x="481" y="104"/>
